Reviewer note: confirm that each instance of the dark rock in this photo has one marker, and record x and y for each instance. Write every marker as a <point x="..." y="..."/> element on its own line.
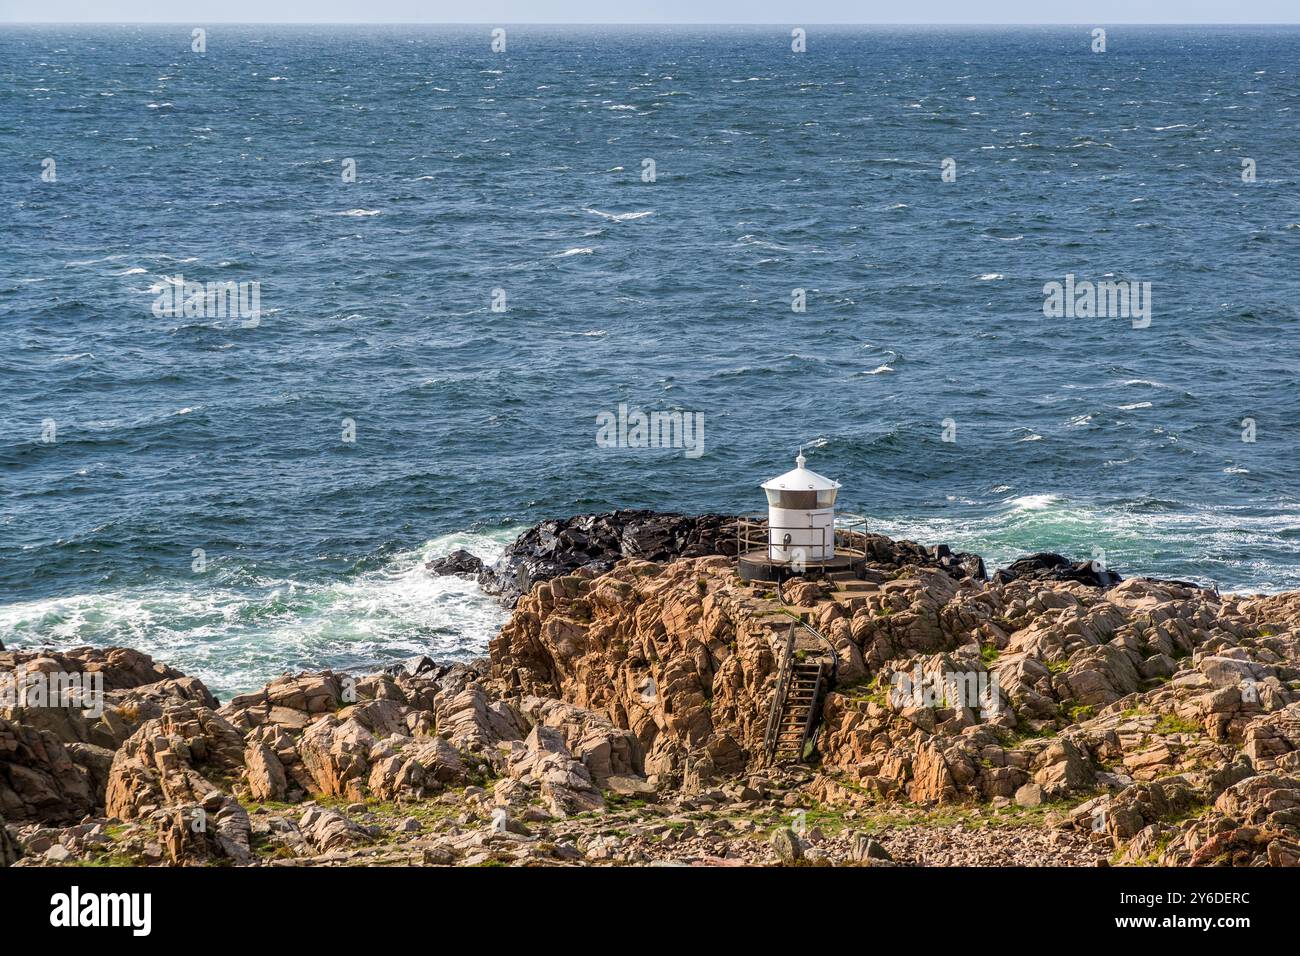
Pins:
<point x="1035" y="565"/>
<point x="864" y="848"/>
<point x="415" y="666"/>
<point x="459" y="561"/>
<point x="9" y="848"/>
<point x="972" y="565"/>
<point x="886" y="555"/>
<point x="1189" y="585"/>
<point x="595" y="542"/>
<point x="1047" y="566"/>
<point x="787" y="845"/>
<point x="877" y="852"/>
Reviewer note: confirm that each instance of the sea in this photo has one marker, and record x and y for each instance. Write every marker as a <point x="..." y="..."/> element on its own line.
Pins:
<point x="460" y="250"/>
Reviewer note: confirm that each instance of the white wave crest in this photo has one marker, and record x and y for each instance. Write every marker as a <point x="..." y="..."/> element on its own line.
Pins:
<point x="242" y="630"/>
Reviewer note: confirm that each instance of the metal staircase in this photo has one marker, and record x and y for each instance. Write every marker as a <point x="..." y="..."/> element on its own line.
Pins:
<point x="796" y="703"/>
<point x="803" y="677"/>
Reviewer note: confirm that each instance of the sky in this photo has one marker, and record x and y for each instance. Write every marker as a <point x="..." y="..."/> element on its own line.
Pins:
<point x="1098" y="12"/>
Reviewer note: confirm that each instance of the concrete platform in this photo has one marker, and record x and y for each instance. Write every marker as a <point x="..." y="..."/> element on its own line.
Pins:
<point x="757" y="566"/>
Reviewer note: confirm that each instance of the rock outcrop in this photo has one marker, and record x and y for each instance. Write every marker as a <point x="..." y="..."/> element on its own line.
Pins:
<point x="1081" y="684"/>
<point x="665" y="652"/>
<point x="1138" y="721"/>
<point x="181" y="757"/>
<point x="1047" y="566"/>
<point x="459" y="562"/>
<point x="39" y="779"/>
<point x="55" y="756"/>
<point x="594" y="542"/>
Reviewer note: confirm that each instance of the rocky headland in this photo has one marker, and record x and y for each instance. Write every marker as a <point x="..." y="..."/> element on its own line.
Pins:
<point x="620" y="718"/>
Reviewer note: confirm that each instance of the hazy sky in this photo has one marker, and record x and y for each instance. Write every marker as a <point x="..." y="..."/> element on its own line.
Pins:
<point x="1100" y="12"/>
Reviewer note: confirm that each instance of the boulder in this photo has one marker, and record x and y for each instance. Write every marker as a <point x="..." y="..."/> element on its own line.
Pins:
<point x="459" y="562"/>
<point x="788" y="846"/>
<point x="596" y="541"/>
<point x="406" y="767"/>
<point x="216" y="830"/>
<point x="179" y="758"/>
<point x="471" y="720"/>
<point x="329" y="830"/>
<point x="1273" y="740"/>
<point x="544" y="761"/>
<point x="865" y="849"/>
<point x="605" y="750"/>
<point x="637" y="788"/>
<point x="1029" y="795"/>
<point x="336" y="753"/>
<point x="1047" y="566"/>
<point x="1063" y="766"/>
<point x="291" y="702"/>
<point x="265" y="774"/>
<point x="39" y="780"/>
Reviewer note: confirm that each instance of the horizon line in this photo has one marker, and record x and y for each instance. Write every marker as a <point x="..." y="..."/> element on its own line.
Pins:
<point x="649" y="23"/>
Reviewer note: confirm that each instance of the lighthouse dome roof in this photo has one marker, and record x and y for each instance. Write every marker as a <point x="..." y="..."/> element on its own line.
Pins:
<point x="800" y="479"/>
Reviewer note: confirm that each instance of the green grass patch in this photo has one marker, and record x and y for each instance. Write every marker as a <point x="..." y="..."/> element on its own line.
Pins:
<point x="1079" y="713"/>
<point x="107" y="859"/>
<point x="1010" y="739"/>
<point x="1171" y="724"/>
<point x="618" y="801"/>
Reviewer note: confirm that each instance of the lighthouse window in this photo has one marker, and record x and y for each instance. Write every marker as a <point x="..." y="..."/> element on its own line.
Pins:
<point x="802" y="500"/>
<point x="826" y="499"/>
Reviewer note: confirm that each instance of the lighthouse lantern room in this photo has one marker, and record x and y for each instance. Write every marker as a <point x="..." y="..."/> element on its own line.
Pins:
<point x="800" y="515"/>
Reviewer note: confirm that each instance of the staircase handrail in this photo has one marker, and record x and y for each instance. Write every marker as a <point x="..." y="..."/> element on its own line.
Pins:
<point x="835" y="657"/>
<point x="778" y="702"/>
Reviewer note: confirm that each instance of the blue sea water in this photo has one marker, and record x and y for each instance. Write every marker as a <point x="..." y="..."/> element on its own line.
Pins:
<point x="184" y="443"/>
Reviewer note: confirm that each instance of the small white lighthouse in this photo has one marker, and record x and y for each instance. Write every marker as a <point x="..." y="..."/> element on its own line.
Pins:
<point x="800" y="515"/>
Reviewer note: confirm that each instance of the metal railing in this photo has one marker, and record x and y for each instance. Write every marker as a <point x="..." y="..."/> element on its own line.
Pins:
<point x="850" y="532"/>
<point x="830" y="648"/>
<point x="774" y="713"/>
<point x="824" y="681"/>
<point x="753" y="533"/>
<point x="785" y="669"/>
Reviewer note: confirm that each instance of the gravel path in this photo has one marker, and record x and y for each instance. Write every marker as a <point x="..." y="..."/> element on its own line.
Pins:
<point x="993" y="846"/>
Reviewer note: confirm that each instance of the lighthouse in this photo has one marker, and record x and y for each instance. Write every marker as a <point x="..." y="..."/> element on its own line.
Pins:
<point x="800" y="516"/>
